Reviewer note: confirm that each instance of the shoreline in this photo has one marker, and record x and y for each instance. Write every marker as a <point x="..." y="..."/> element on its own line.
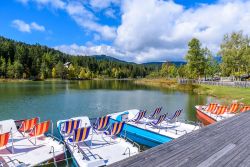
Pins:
<point x="165" y="83"/>
<point x="224" y="93"/>
<point x="7" y="80"/>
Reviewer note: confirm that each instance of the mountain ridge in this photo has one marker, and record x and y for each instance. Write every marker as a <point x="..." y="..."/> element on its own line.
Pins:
<point x="110" y="58"/>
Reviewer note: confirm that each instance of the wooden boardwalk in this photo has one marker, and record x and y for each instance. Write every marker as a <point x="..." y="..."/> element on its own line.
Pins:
<point x="226" y="143"/>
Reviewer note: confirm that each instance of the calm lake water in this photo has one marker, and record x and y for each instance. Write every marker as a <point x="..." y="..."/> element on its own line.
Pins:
<point x="57" y="100"/>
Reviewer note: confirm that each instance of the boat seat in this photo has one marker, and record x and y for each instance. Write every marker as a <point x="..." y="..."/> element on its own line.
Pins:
<point x="8" y="125"/>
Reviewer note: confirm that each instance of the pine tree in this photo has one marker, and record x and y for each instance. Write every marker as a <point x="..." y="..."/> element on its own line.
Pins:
<point x="10" y="70"/>
<point x="3" y="67"/>
<point x="195" y="59"/>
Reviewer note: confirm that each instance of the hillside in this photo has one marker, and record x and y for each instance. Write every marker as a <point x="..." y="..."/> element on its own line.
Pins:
<point x="176" y="63"/>
<point x="109" y="58"/>
<point x="21" y="60"/>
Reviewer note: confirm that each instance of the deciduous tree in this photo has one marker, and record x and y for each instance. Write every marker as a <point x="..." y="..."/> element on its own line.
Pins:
<point x="195" y="59"/>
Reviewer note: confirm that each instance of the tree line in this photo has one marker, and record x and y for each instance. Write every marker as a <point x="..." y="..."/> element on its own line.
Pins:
<point x="21" y="60"/>
<point x="234" y="54"/>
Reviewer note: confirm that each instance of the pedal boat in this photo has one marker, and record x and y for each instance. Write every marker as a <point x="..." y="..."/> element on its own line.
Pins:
<point x="143" y="133"/>
<point x="213" y="112"/>
<point x="94" y="148"/>
<point x="28" y="148"/>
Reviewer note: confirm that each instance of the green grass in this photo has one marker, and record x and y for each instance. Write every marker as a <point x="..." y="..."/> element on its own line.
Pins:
<point x="165" y="83"/>
<point x="13" y="80"/>
<point x="225" y="93"/>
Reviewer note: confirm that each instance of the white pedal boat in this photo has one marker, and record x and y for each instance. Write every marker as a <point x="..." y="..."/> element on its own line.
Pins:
<point x="91" y="147"/>
<point x="28" y="146"/>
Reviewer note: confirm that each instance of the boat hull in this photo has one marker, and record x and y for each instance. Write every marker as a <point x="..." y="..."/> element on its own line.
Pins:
<point x="150" y="136"/>
<point x="204" y="118"/>
<point x="143" y="136"/>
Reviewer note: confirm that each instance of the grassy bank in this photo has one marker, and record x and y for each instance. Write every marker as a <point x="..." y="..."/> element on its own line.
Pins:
<point x="157" y="82"/>
<point x="227" y="94"/>
<point x="13" y="80"/>
<point x="5" y="80"/>
<point x="166" y="83"/>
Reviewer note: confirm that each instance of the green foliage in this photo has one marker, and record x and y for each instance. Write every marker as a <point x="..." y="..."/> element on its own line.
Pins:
<point x="115" y="72"/>
<point x="42" y="76"/>
<point x="10" y="69"/>
<point x="82" y="74"/>
<point x="44" y="70"/>
<point x="182" y="71"/>
<point x="60" y="70"/>
<point x="168" y="70"/>
<point x="71" y="72"/>
<point x="85" y="74"/>
<point x="53" y="72"/>
<point x="235" y="51"/>
<point x="18" y="69"/>
<point x="3" y="67"/>
<point x="38" y="62"/>
<point x="20" y="60"/>
<point x="212" y="67"/>
<point x="195" y="59"/>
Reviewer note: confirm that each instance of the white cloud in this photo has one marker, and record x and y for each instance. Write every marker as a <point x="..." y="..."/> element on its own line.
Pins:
<point x="155" y="30"/>
<point x="102" y="4"/>
<point x="75" y="49"/>
<point x="143" y="28"/>
<point x="37" y="27"/>
<point x="83" y="17"/>
<point x="76" y="9"/>
<point x="87" y="19"/>
<point x="21" y="25"/>
<point x="26" y="27"/>
<point x="159" y="30"/>
<point x="110" y="13"/>
<point x="57" y="4"/>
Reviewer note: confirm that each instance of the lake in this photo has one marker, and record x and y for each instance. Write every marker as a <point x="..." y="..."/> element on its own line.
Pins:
<point x="57" y="100"/>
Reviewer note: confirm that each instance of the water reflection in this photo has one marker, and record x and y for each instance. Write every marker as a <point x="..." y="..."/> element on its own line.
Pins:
<point x="64" y="99"/>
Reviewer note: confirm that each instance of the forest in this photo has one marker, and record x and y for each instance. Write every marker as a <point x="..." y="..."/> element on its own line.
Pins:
<point x="21" y="60"/>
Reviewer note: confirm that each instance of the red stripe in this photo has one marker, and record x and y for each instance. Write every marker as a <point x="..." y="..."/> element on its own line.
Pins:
<point x="4" y="138"/>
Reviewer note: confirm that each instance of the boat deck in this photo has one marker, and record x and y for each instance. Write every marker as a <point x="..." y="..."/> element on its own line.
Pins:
<point x="28" y="153"/>
<point x="109" y="151"/>
<point x="215" y="116"/>
<point x="225" y="143"/>
<point x="172" y="130"/>
<point x="102" y="151"/>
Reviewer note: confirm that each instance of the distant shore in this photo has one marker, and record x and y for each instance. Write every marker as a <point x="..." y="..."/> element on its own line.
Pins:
<point x="225" y="93"/>
<point x="13" y="80"/>
<point x="165" y="83"/>
<point x="3" y="80"/>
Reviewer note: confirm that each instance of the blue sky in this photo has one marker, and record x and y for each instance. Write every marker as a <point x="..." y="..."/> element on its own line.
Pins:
<point x="132" y="30"/>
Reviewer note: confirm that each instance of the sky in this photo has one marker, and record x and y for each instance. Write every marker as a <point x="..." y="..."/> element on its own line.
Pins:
<point x="132" y="30"/>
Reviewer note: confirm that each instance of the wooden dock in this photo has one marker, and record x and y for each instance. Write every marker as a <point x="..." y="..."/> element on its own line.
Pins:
<point x="226" y="143"/>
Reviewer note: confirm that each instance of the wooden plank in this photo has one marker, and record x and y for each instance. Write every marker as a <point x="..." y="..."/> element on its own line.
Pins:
<point x="179" y="146"/>
<point x="208" y="162"/>
<point x="210" y="145"/>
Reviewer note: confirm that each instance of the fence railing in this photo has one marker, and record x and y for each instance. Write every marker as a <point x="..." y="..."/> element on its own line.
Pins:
<point x="241" y="84"/>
